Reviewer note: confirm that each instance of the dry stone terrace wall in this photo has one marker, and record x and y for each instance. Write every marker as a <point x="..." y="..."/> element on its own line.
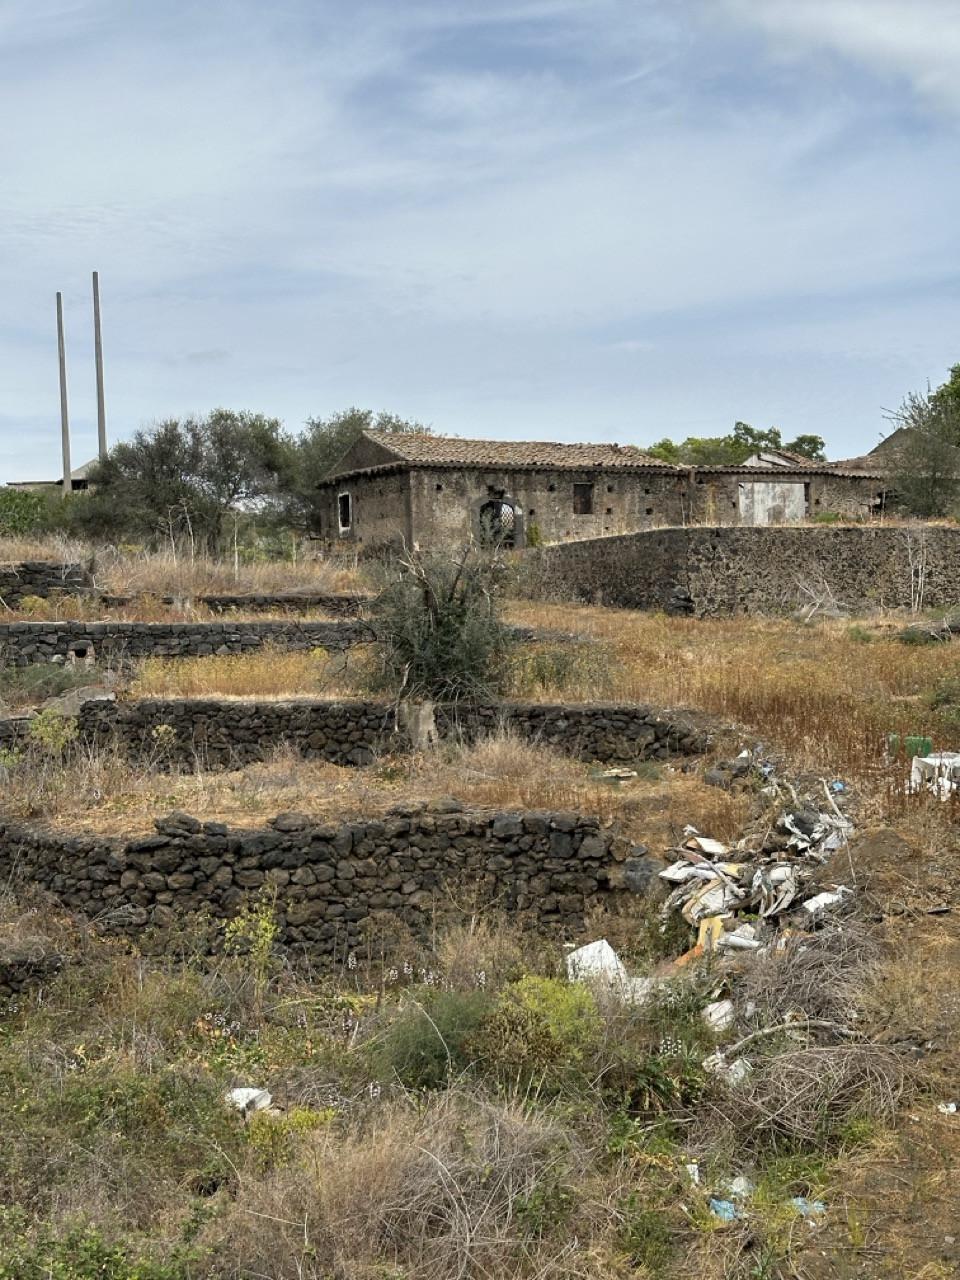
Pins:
<point x="228" y="734"/>
<point x="22" y="643"/>
<point x="332" y="883"/>
<point x="717" y="571"/>
<point x="338" y="606"/>
<point x="40" y="578"/>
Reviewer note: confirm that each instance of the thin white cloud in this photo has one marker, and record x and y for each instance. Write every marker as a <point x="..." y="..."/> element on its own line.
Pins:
<point x="469" y="214"/>
<point x="917" y="41"/>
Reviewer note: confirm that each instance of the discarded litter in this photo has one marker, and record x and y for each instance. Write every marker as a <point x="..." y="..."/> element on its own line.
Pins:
<point x="725" y="1210"/>
<point x="597" y="963"/>
<point x="827" y="899"/>
<point x="247" y="1101"/>
<point x="615" y="774"/>
<point x="938" y="772"/>
<point x="733" y="1073"/>
<point x="809" y="1208"/>
<point x="596" y="960"/>
<point x="740" y="1187"/>
<point x="947" y="1108"/>
<point x="692" y="1171"/>
<point x="719" y="1014"/>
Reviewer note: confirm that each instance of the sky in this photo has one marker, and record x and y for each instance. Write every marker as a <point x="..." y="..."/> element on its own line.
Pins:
<point x="547" y="219"/>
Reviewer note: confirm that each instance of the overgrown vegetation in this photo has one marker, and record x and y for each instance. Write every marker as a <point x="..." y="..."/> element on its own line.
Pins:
<point x="438" y="628"/>
<point x="450" y="1110"/>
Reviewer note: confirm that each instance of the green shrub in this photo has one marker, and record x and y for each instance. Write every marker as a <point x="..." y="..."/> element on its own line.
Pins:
<point x="431" y="1038"/>
<point x="52" y="732"/>
<point x="541" y="1030"/>
<point x="438" y="628"/>
<point x="21" y="513"/>
<point x="80" y="1253"/>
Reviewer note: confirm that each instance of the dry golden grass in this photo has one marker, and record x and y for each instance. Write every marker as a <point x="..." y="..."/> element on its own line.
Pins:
<point x="97" y="790"/>
<point x="53" y="547"/>
<point x="267" y="673"/>
<point x="162" y="573"/>
<point x="820" y="692"/>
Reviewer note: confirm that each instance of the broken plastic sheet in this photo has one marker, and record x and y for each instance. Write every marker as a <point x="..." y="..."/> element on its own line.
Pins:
<point x="599" y="965"/>
<point x="938" y="773"/>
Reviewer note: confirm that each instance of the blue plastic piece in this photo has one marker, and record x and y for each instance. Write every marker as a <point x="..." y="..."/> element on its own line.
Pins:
<point x="725" y="1210"/>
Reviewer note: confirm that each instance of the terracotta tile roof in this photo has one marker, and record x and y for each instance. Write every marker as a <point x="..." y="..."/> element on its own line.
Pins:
<point x="424" y="450"/>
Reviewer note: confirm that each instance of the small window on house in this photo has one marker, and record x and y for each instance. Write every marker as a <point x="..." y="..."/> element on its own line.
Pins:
<point x="551" y="488"/>
<point x="609" y="488"/>
<point x="344" y="511"/>
<point x="609" y="511"/>
<point x="583" y="499"/>
<point x="649" y="511"/>
<point x="439" y="488"/>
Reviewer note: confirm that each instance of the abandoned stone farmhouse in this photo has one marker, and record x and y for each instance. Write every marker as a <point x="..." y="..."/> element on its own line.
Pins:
<point x="426" y="490"/>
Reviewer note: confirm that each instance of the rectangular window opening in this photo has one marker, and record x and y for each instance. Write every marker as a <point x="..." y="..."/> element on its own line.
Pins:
<point x="583" y="499"/>
<point x="344" y="512"/>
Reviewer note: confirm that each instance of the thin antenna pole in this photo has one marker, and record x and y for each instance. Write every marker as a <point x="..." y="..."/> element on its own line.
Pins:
<point x="64" y="417"/>
<point x="98" y="354"/>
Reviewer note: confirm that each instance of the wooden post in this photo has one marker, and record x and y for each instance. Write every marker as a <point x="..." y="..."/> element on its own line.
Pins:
<point x="98" y="355"/>
<point x="64" y="418"/>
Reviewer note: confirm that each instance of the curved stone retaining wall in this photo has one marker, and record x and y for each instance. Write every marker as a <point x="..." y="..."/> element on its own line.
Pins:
<point x="712" y="572"/>
<point x="227" y="734"/>
<point x="22" y="643"/>
<point x="332" y="882"/>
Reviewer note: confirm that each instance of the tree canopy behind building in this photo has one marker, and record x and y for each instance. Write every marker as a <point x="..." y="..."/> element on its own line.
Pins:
<point x="734" y="448"/>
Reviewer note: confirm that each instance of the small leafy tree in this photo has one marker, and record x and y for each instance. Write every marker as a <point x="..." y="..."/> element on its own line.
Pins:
<point x="734" y="448"/>
<point x="184" y="478"/>
<point x="926" y="463"/>
<point x="437" y="623"/>
<point x="322" y="444"/>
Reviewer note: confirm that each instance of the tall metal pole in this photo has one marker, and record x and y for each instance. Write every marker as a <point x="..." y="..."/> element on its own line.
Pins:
<point x="64" y="418"/>
<point x="98" y="352"/>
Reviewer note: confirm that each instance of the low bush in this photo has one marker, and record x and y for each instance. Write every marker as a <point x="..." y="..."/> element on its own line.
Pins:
<point x="430" y="1039"/>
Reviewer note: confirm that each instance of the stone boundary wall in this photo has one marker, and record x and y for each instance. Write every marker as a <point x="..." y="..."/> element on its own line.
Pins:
<point x="722" y="571"/>
<point x="338" y="606"/>
<point x="22" y="643"/>
<point x="40" y="578"/>
<point x="44" y="578"/>
<point x="333" y="882"/>
<point x="229" y="734"/>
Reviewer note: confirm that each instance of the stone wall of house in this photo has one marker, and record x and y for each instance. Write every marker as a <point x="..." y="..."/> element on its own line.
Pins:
<point x="40" y="578"/>
<point x="446" y="502"/>
<point x="333" y="883"/>
<point x="380" y="512"/>
<point x="717" y="571"/>
<point x="714" y="496"/>
<point x="441" y="506"/>
<point x="22" y="643"/>
<point x="228" y="734"/>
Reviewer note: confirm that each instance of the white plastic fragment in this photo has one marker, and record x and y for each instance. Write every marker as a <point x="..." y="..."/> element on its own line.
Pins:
<point x="733" y="1073"/>
<point x="939" y="773"/>
<point x="598" y="964"/>
<point x="813" y="906"/>
<point x="596" y="961"/>
<point x="719" y="1014"/>
<point x="249" y="1100"/>
<point x="947" y="1108"/>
